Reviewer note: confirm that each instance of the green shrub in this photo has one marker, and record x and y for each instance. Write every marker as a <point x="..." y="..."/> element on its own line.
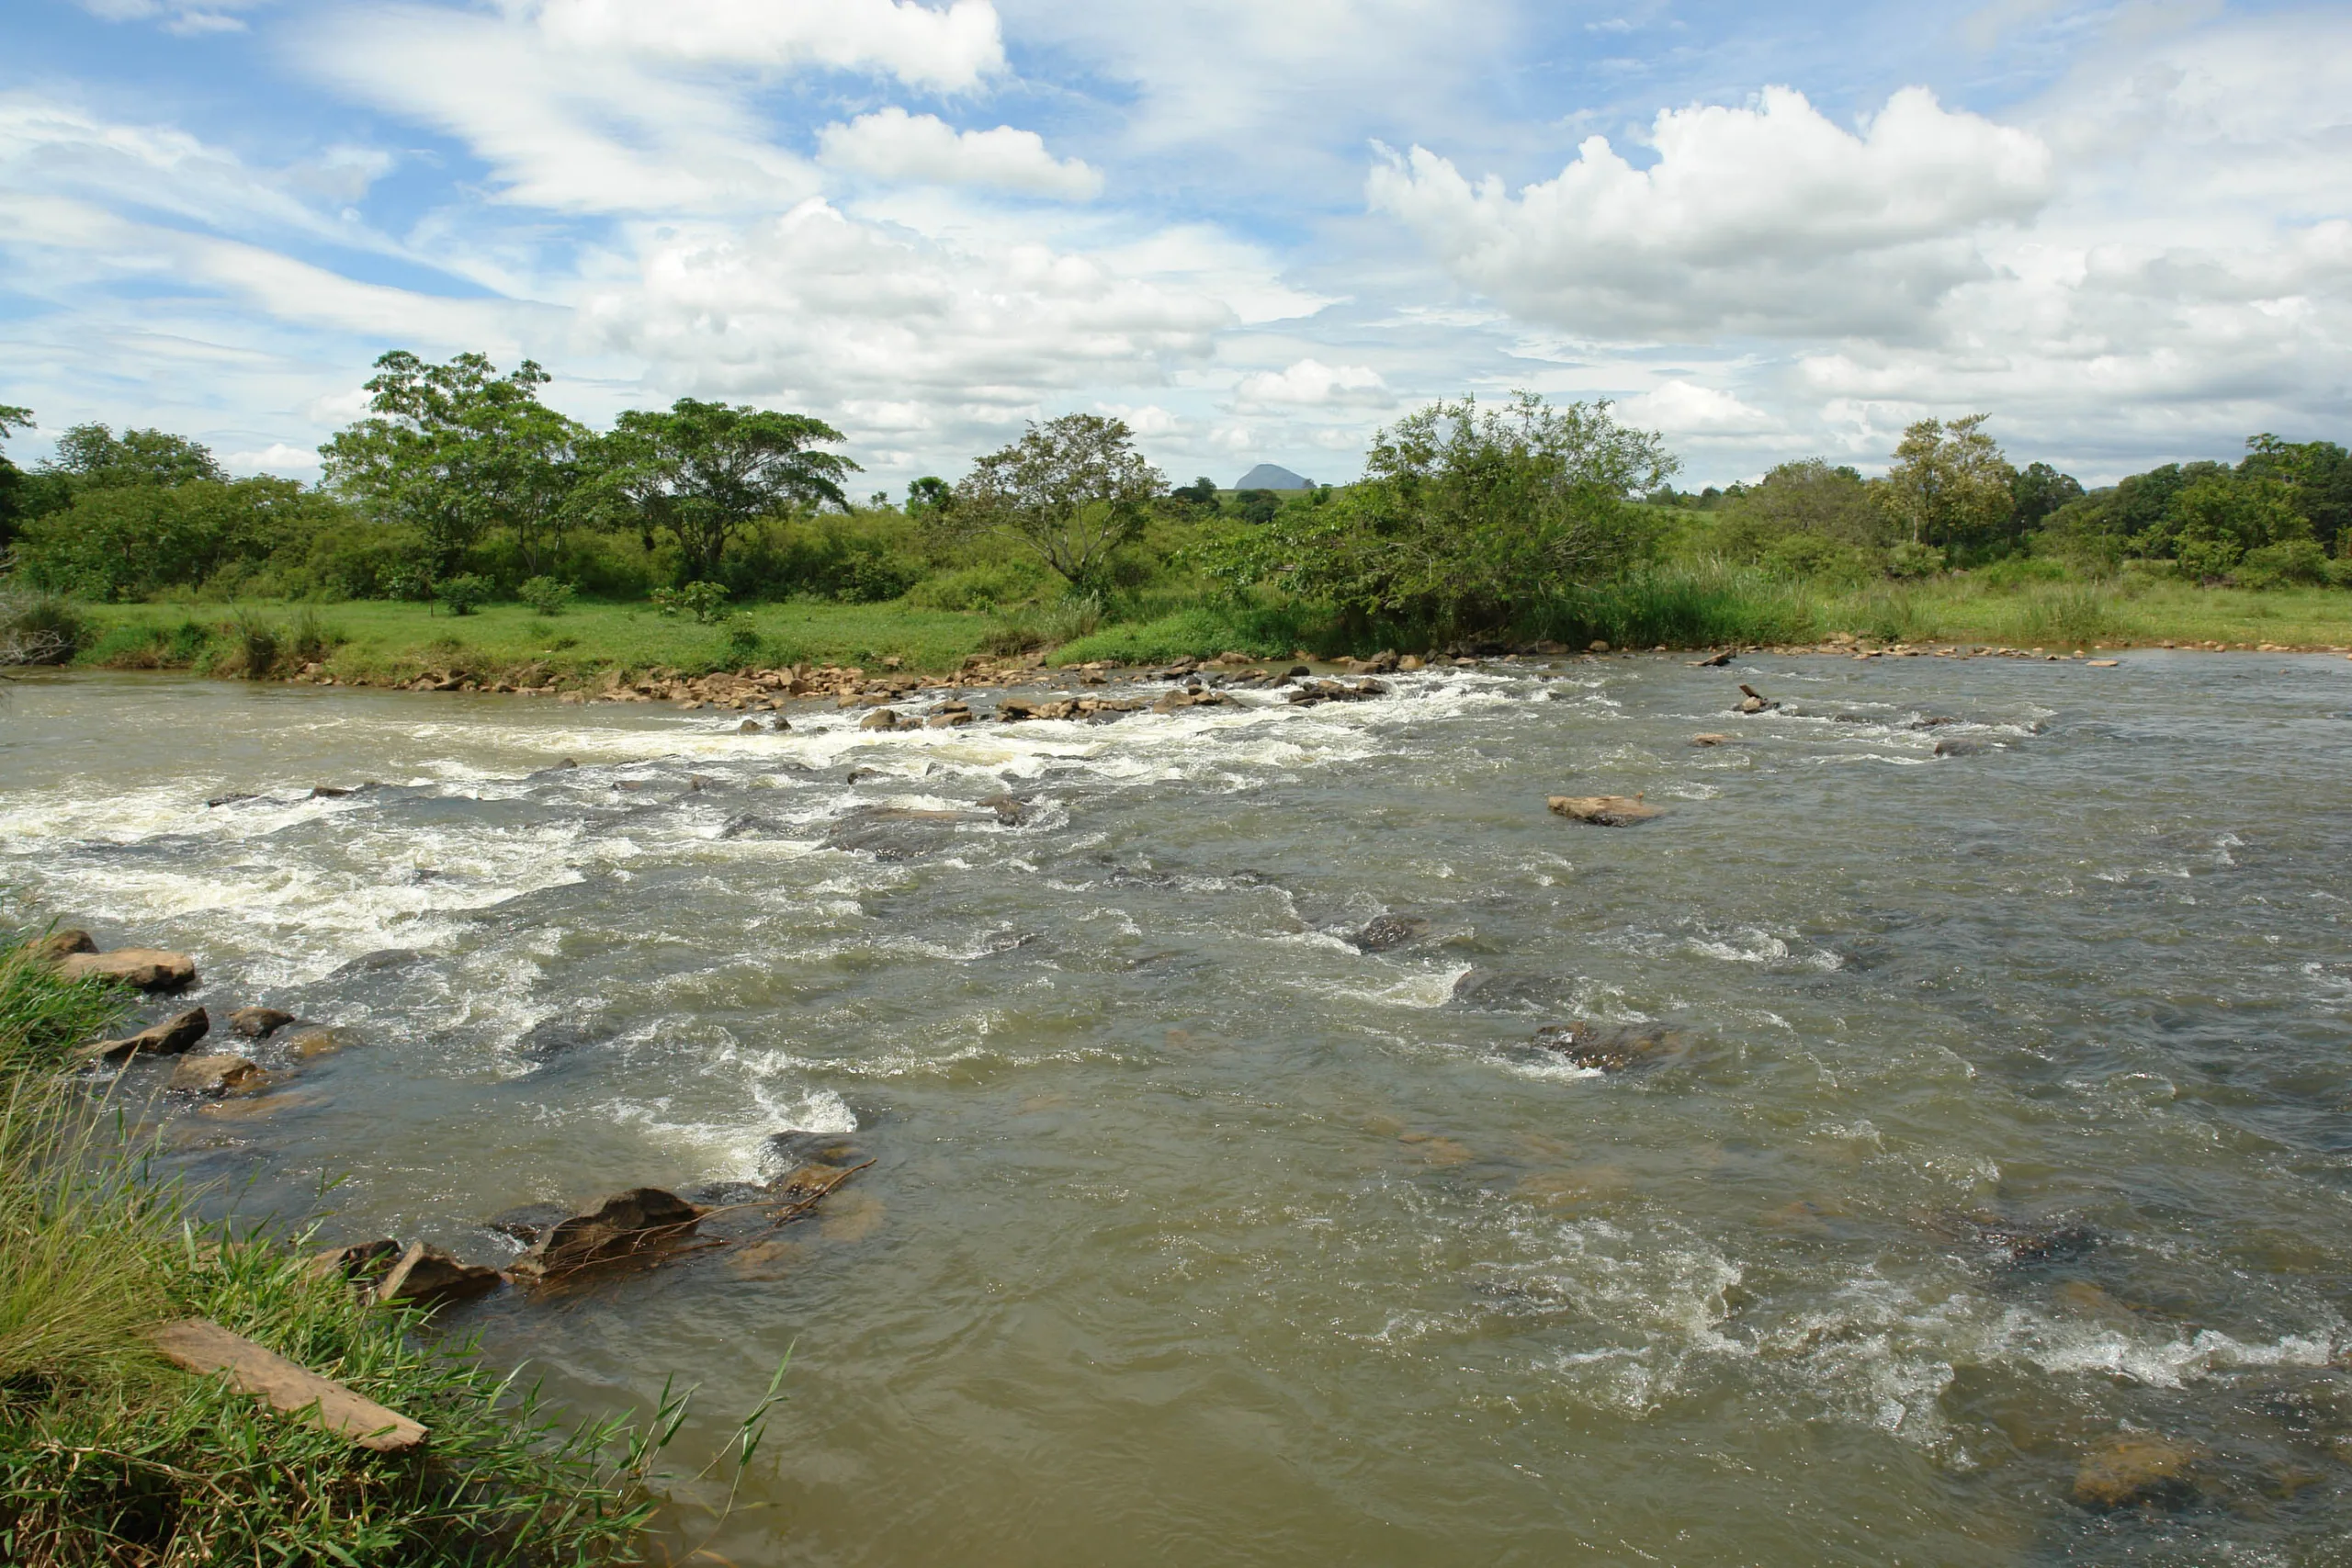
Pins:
<point x="41" y="628"/>
<point x="740" y="645"/>
<point x="1912" y="559"/>
<point x="313" y="640"/>
<point x="704" y="601"/>
<point x="2075" y="613"/>
<point x="991" y="586"/>
<point x="260" y="643"/>
<point x="546" y="595"/>
<point x="461" y="596"/>
<point x="2293" y="561"/>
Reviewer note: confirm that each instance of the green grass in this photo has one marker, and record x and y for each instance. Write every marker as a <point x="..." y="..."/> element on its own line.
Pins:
<point x="109" y="1456"/>
<point x="381" y="641"/>
<point x="1687" y="605"/>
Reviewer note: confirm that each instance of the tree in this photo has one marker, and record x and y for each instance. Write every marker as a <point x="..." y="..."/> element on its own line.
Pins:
<point x="92" y="458"/>
<point x="1950" y="485"/>
<point x="12" y="478"/>
<point x="122" y="541"/>
<point x="2216" y="518"/>
<point x="704" y="471"/>
<point x="2321" y="475"/>
<point x="2038" y="490"/>
<point x="1807" y="517"/>
<point x="1201" y="494"/>
<point x="1073" y="490"/>
<point x="928" y="495"/>
<point x="457" y="449"/>
<point x="1466" y="515"/>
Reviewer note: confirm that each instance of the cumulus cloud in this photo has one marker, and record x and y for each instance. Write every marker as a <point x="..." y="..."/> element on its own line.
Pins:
<point x="1310" y="383"/>
<point x="892" y="144"/>
<point x="1687" y="408"/>
<point x="1766" y="217"/>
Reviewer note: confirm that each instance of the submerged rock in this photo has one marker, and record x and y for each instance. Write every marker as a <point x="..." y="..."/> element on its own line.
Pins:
<point x="792" y="1149"/>
<point x="214" y="1075"/>
<point x="1610" y="1050"/>
<point x="426" y="1277"/>
<point x="1603" y="810"/>
<point x="168" y="1038"/>
<point x="623" y="1225"/>
<point x="2134" y="1469"/>
<point x="2023" y="1245"/>
<point x="141" y="968"/>
<point x="259" y="1023"/>
<point x="1386" y="932"/>
<point x="1710" y="740"/>
<point x="312" y="1044"/>
<point x="527" y="1222"/>
<point x="1958" y="746"/>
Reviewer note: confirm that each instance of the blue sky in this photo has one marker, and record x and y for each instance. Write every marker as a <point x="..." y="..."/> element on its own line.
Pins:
<point x="1257" y="231"/>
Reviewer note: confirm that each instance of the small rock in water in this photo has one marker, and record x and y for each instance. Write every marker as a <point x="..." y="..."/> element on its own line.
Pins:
<point x="527" y="1222"/>
<point x="59" y="945"/>
<point x="168" y="1038"/>
<point x="1603" y="810"/>
<point x="214" y="1075"/>
<point x="1609" y="1050"/>
<point x="880" y="718"/>
<point x="1959" y="746"/>
<point x="1710" y="739"/>
<point x="2022" y="1246"/>
<point x="748" y="727"/>
<point x="361" y="1262"/>
<point x="310" y="1044"/>
<point x="141" y="968"/>
<point x="1009" y="808"/>
<point x="1385" y="932"/>
<point x="623" y="1225"/>
<point x="259" y="1023"/>
<point x="789" y="1150"/>
<point x="2134" y="1469"/>
<point x="426" y="1277"/>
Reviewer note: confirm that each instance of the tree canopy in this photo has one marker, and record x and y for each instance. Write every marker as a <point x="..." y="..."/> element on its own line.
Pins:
<point x="703" y="470"/>
<point x="1072" y="489"/>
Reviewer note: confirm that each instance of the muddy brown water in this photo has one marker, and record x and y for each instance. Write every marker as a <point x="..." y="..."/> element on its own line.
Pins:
<point x="2006" y="1101"/>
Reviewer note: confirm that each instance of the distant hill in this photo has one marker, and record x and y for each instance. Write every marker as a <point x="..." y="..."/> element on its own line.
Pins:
<point x="1265" y="476"/>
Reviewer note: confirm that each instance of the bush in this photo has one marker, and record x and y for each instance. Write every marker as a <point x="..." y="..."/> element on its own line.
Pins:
<point x="546" y="595"/>
<point x="741" y="643"/>
<point x="313" y="640"/>
<point x="704" y="601"/>
<point x="993" y="586"/>
<point x="260" y="643"/>
<point x="1911" y="560"/>
<point x="41" y="628"/>
<point x="2295" y="562"/>
<point x="461" y="596"/>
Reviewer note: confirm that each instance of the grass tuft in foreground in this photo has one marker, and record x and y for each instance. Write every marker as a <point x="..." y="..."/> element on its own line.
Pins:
<point x="110" y="1456"/>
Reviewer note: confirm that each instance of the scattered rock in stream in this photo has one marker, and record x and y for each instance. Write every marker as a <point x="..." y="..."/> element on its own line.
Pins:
<point x="1385" y="932"/>
<point x="168" y="1038"/>
<point x="428" y="1277"/>
<point x="527" y="1222"/>
<point x="2136" y="1469"/>
<point x="361" y="1262"/>
<point x="624" y="1225"/>
<point x="141" y="968"/>
<point x="1603" y="810"/>
<point x="58" y="946"/>
<point x="259" y="1023"/>
<point x="1752" y="701"/>
<point x="215" y="1075"/>
<point x="1612" y="1049"/>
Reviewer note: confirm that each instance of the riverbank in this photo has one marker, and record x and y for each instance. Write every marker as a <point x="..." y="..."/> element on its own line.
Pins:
<point x="374" y="643"/>
<point x="110" y="1455"/>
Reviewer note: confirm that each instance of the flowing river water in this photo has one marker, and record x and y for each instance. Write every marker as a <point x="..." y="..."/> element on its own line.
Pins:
<point x="2006" y="1103"/>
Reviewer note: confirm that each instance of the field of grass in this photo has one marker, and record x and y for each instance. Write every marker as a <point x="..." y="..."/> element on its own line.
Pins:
<point x="380" y="641"/>
<point x="110" y="1456"/>
<point x="1690" y="605"/>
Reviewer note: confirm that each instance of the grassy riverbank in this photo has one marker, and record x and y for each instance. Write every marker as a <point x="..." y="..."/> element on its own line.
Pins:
<point x="377" y="642"/>
<point x="110" y="1456"/>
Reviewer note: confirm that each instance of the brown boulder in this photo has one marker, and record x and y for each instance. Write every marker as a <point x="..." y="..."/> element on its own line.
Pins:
<point x="1609" y="1050"/>
<point x="363" y="1262"/>
<point x="259" y="1023"/>
<point x="1603" y="810"/>
<point x="141" y="968"/>
<point x="1710" y="739"/>
<point x="880" y="718"/>
<point x="426" y="1277"/>
<point x="2132" y="1469"/>
<point x="168" y="1038"/>
<point x="624" y="1225"/>
<point x="58" y="945"/>
<point x="315" y="1042"/>
<point x="213" y="1074"/>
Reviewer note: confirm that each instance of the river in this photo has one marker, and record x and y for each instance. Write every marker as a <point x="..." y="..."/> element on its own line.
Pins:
<point x="2002" y="1105"/>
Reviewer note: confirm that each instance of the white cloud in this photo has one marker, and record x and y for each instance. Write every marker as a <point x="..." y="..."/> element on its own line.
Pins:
<point x="184" y="20"/>
<point x="892" y="144"/>
<point x="1310" y="383"/>
<point x="946" y="49"/>
<point x="1767" y="218"/>
<point x="277" y="458"/>
<point x="1687" y="408"/>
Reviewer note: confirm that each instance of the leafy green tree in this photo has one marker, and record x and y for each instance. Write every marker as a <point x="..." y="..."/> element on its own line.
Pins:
<point x="2038" y="490"/>
<point x="1199" y="495"/>
<point x="12" y="478"/>
<point x="1073" y="491"/>
<point x="1949" y="486"/>
<point x="704" y="471"/>
<point x="1466" y="515"/>
<point x="928" y="495"/>
<point x="123" y="541"/>
<point x="457" y="449"/>
<point x="2216" y="518"/>
<point x="2321" y="475"/>
<point x="93" y="457"/>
